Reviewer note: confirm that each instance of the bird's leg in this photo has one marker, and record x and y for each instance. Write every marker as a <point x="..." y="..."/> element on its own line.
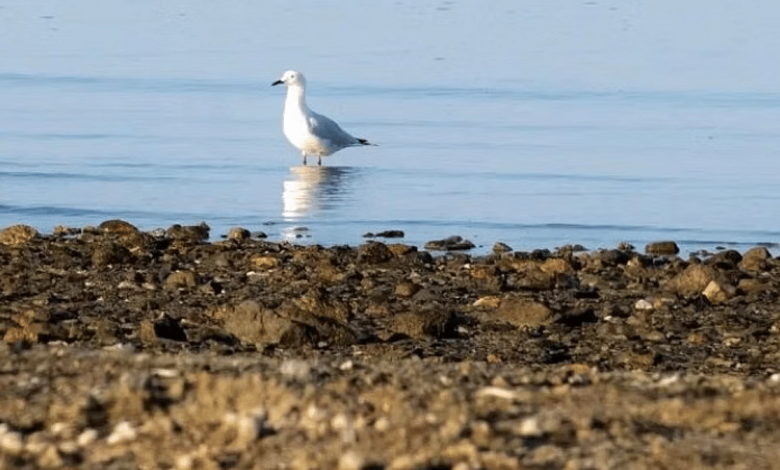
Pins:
<point x="319" y="160"/>
<point x="304" y="157"/>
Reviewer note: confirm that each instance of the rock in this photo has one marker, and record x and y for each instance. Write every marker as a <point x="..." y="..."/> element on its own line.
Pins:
<point x="109" y="253"/>
<point x="124" y="431"/>
<point x="238" y="234"/>
<point x="373" y="253"/>
<point x="664" y="248"/>
<point x="406" y="288"/>
<point x="399" y="249"/>
<point x="555" y="266"/>
<point x="63" y="231"/>
<point x="11" y="442"/>
<point x="500" y="247"/>
<point x="27" y="335"/>
<point x="529" y="276"/>
<point x="643" y="304"/>
<point x="523" y="313"/>
<point x="263" y="262"/>
<point x="386" y="234"/>
<point x="146" y="332"/>
<point x="434" y="321"/>
<point x="755" y="259"/>
<point x="612" y="257"/>
<point x="693" y="280"/>
<point x="189" y="234"/>
<point x="17" y="235"/>
<point x="117" y="227"/>
<point x="753" y="286"/>
<point x="491" y="301"/>
<point x="726" y="259"/>
<point x="180" y="280"/>
<point x="718" y="292"/>
<point x="452" y="243"/>
<point x="253" y="325"/>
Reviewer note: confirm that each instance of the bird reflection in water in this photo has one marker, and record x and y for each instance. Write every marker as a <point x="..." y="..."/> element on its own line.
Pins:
<point x="311" y="190"/>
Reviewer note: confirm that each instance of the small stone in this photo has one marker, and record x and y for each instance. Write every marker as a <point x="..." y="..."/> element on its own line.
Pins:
<point x="693" y="280"/>
<point x="452" y="243"/>
<point x="664" y="248"/>
<point x="390" y="234"/>
<point x="10" y="442"/>
<point x="406" y="289"/>
<point x="62" y="231"/>
<point x="696" y="339"/>
<point x="180" y="280"/>
<point x="17" y="235"/>
<point x="643" y="304"/>
<point x="612" y="257"/>
<point x="238" y="234"/>
<point x="500" y="247"/>
<point x="523" y="313"/>
<point x="753" y="286"/>
<point x="123" y="432"/>
<point x="190" y="233"/>
<point x="50" y="458"/>
<point x="351" y="460"/>
<point x="25" y="336"/>
<point x="129" y="285"/>
<point x="529" y="427"/>
<point x="399" y="249"/>
<point x="433" y="322"/>
<point x="555" y="266"/>
<point x="373" y="253"/>
<point x="755" y="259"/>
<point x="490" y="301"/>
<point x="726" y="259"/>
<point x="718" y="292"/>
<point x="119" y="227"/>
<point x="264" y="263"/>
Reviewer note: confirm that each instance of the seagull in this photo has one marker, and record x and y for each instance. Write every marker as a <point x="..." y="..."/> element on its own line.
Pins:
<point x="309" y="132"/>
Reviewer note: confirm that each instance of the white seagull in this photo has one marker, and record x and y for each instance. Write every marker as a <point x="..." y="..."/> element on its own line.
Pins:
<point x="309" y="132"/>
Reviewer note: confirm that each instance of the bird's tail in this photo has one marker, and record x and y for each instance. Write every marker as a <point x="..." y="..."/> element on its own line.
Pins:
<point x="365" y="142"/>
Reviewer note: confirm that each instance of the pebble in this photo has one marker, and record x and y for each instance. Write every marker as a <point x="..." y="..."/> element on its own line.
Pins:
<point x="452" y="243"/>
<point x="665" y="248"/>
<point x="87" y="437"/>
<point x="17" y="235"/>
<point x="238" y="234"/>
<point x="643" y="304"/>
<point x="500" y="247"/>
<point x="124" y="431"/>
<point x="10" y="442"/>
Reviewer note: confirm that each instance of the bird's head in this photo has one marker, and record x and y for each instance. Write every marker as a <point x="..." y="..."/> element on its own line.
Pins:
<point x="291" y="78"/>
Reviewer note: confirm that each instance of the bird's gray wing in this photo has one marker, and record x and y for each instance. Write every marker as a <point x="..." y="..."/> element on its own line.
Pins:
<point x="326" y="128"/>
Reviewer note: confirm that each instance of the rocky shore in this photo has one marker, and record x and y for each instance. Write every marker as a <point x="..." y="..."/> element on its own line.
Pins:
<point x="123" y="349"/>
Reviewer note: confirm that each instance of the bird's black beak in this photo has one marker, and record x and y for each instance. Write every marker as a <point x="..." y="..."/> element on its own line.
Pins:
<point x="278" y="82"/>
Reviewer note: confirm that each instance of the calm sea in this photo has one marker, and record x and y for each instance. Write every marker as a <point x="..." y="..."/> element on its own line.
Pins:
<point x="533" y="123"/>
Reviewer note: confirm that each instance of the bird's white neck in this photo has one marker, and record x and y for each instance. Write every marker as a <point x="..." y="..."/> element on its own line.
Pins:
<point x="296" y="99"/>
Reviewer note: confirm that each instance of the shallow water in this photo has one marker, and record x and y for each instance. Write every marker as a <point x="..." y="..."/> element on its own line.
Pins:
<point x="529" y="123"/>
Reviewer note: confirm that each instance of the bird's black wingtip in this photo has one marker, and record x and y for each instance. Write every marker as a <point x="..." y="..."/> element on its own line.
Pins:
<point x="365" y="142"/>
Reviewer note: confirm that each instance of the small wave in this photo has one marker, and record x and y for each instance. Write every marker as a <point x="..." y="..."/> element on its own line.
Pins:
<point x="112" y="84"/>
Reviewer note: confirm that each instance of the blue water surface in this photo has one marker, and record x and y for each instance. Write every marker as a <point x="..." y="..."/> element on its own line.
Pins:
<point x="533" y="123"/>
